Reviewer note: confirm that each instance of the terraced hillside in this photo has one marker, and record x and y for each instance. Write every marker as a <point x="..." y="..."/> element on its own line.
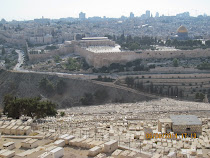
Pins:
<point x="184" y="86"/>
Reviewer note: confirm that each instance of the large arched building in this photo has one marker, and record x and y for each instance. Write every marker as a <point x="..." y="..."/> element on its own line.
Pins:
<point x="182" y="34"/>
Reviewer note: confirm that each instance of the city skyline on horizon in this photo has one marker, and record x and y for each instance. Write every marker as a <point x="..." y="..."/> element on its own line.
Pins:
<point x="27" y="9"/>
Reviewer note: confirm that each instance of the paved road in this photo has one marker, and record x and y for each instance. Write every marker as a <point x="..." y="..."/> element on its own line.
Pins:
<point x="20" y="60"/>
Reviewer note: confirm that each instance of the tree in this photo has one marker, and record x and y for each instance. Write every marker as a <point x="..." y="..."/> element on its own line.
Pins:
<point x="61" y="86"/>
<point x="176" y="62"/>
<point x="100" y="78"/>
<point x="57" y="58"/>
<point x="134" y="46"/>
<point x="151" y="88"/>
<point x="72" y="64"/>
<point x="207" y="43"/>
<point x="129" y="81"/>
<point x="26" y="52"/>
<point x="46" y="85"/>
<point x="199" y="96"/>
<point x="3" y="52"/>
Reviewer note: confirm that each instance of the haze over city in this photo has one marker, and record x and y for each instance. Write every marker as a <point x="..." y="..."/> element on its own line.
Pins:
<point x="29" y="9"/>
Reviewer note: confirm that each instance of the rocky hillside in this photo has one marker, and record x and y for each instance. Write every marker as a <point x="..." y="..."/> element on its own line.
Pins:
<point x="27" y="85"/>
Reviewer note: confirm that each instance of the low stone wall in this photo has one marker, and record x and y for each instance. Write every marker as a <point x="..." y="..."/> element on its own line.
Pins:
<point x="181" y="129"/>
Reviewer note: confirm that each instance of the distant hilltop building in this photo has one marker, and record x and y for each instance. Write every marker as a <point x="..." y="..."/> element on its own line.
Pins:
<point x="131" y="15"/>
<point x="82" y="16"/>
<point x="147" y="14"/>
<point x="3" y="21"/>
<point x="42" y="20"/>
<point x="157" y="15"/>
<point x="183" y="15"/>
<point x="182" y="34"/>
<point x="101" y="51"/>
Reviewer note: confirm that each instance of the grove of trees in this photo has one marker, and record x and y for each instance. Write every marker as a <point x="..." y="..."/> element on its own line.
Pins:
<point x="204" y="66"/>
<point x="199" y="96"/>
<point x="171" y="91"/>
<point x="33" y="107"/>
<point x="146" y="42"/>
<point x="104" y="79"/>
<point x="99" y="96"/>
<point x="50" y="88"/>
<point x="135" y="43"/>
<point x="72" y="64"/>
<point x="135" y="65"/>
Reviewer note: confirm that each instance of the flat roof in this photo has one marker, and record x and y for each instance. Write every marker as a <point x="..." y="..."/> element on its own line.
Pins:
<point x="14" y="127"/>
<point x="32" y="141"/>
<point x="165" y="120"/>
<point x="94" y="38"/>
<point x="27" y="127"/>
<point x="104" y="49"/>
<point x="56" y="149"/>
<point x="21" y="127"/>
<point x="185" y="120"/>
<point x="111" y="142"/>
<point x="2" y="151"/>
<point x="26" y="140"/>
<point x="8" y="144"/>
<point x="59" y="141"/>
<point x="7" y="153"/>
<point x="63" y="136"/>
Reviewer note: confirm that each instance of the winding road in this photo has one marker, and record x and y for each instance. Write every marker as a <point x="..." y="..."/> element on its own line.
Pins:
<point x="20" y="60"/>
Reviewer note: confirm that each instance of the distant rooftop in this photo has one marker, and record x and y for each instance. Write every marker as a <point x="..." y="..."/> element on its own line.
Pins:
<point x="95" y="38"/>
<point x="185" y="120"/>
<point x="104" y="49"/>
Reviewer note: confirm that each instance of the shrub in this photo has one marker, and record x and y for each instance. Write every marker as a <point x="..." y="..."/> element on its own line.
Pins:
<point x="62" y="113"/>
<point x="87" y="99"/>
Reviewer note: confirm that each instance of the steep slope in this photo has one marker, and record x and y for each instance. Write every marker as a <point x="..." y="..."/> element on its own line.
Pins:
<point x="27" y="85"/>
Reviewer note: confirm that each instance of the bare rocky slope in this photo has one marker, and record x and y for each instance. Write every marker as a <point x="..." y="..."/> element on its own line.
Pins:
<point x="27" y="85"/>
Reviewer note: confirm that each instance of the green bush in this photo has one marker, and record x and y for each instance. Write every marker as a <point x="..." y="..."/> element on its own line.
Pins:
<point x="72" y="64"/>
<point x="62" y="113"/>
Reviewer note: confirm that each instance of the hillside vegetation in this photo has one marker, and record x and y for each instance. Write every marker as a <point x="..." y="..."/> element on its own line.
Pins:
<point x="65" y="92"/>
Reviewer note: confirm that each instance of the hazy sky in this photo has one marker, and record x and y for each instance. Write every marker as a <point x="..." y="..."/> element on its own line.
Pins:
<point x="30" y="9"/>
